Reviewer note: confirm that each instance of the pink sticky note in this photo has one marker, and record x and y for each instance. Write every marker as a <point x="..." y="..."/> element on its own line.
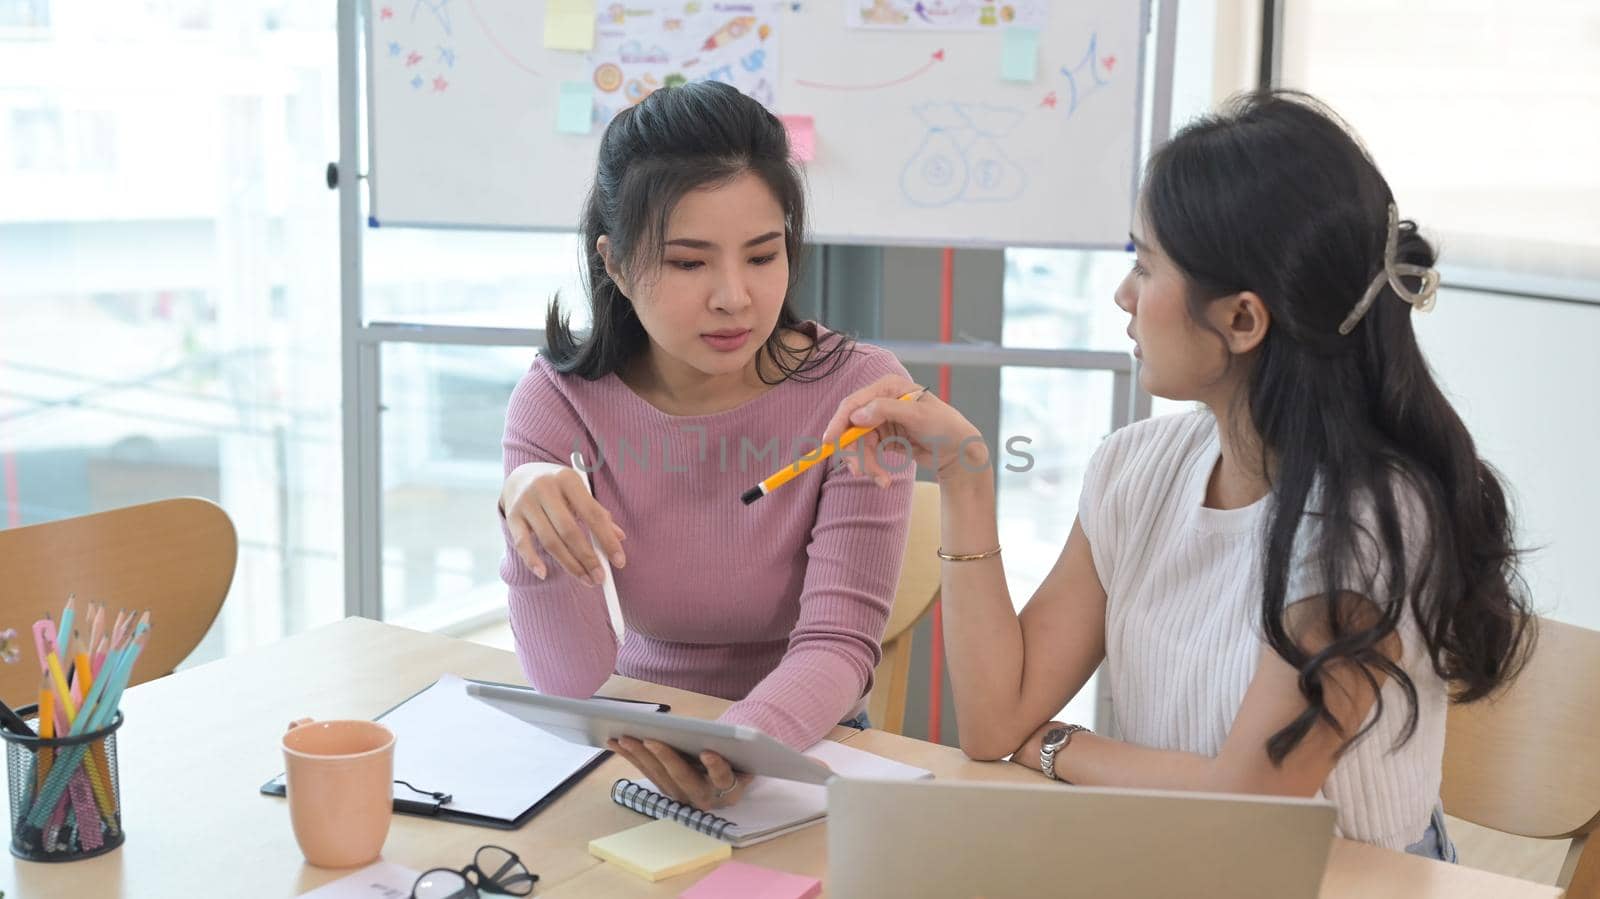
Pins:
<point x="737" y="880"/>
<point x="802" y="136"/>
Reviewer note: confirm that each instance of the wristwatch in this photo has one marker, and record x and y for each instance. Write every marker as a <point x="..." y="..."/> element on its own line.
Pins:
<point x="1055" y="740"/>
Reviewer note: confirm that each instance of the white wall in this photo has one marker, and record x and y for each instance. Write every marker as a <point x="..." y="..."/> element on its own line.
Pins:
<point x="1525" y="376"/>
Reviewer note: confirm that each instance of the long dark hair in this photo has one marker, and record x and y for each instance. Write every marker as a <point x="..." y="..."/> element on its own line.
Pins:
<point x="1274" y="195"/>
<point x="674" y="141"/>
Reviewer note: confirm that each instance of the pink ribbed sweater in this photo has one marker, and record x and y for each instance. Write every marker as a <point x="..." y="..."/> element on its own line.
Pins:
<point x="779" y="605"/>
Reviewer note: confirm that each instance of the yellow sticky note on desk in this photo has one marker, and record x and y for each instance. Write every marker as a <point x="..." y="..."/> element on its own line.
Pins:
<point x="569" y="24"/>
<point x="659" y="850"/>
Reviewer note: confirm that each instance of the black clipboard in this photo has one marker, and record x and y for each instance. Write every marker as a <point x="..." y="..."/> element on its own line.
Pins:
<point x="434" y="808"/>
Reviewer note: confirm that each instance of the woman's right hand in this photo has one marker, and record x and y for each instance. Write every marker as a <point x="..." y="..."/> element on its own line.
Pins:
<point x="547" y="506"/>
<point x="940" y="437"/>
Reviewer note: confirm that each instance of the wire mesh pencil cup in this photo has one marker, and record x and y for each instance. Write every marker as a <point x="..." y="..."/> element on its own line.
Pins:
<point x="66" y="799"/>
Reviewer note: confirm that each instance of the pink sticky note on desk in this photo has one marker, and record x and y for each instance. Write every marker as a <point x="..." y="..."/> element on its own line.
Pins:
<point x="802" y="136"/>
<point x="737" y="880"/>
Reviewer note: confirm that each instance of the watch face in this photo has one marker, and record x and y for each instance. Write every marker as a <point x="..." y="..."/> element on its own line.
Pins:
<point x="1055" y="736"/>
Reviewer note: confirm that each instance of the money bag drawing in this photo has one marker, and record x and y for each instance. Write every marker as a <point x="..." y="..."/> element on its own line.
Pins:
<point x="960" y="159"/>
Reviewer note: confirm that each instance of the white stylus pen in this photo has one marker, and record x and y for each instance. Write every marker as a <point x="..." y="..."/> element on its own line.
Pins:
<point x="609" y="585"/>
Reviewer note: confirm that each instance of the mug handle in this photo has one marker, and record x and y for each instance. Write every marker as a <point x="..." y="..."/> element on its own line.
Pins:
<point x="297" y="723"/>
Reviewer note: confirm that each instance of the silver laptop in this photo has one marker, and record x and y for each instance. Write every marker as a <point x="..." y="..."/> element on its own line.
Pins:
<point x="995" y="841"/>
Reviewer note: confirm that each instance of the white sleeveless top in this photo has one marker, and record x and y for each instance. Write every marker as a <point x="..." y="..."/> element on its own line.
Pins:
<point x="1183" y="598"/>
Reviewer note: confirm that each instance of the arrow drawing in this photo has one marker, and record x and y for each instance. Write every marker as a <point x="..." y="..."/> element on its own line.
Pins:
<point x="937" y="58"/>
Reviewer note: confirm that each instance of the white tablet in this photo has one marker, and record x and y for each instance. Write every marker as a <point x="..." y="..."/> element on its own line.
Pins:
<point x="589" y="722"/>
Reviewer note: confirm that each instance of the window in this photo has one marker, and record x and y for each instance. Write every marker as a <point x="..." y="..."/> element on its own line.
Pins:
<point x="169" y="315"/>
<point x="24" y="13"/>
<point x="189" y="14"/>
<point x="495" y="278"/>
<point x="443" y="418"/>
<point x="37" y="141"/>
<point x="1483" y="116"/>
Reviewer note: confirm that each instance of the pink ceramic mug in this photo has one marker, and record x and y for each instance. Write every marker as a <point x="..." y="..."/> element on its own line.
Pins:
<point x="340" y="779"/>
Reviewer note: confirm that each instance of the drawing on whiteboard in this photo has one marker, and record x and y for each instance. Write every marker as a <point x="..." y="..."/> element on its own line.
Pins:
<point x="489" y="32"/>
<point x="650" y="44"/>
<point x="1085" y="77"/>
<point x="410" y="64"/>
<point x="883" y="13"/>
<point x="736" y="28"/>
<point x="960" y="158"/>
<point x="938" y="57"/>
<point x="608" y="77"/>
<point x="408" y="40"/>
<point x="763" y="93"/>
<point x="946" y="15"/>
<point x="439" y="8"/>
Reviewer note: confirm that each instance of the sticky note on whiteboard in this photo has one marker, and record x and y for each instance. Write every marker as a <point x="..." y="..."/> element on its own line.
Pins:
<point x="802" y="136"/>
<point x="569" y="24"/>
<point x="1019" y="60"/>
<point x="575" y="114"/>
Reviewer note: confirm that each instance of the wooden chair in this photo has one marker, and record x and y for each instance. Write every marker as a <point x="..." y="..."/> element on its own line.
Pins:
<point x="1527" y="762"/>
<point x="915" y="595"/>
<point x="174" y="558"/>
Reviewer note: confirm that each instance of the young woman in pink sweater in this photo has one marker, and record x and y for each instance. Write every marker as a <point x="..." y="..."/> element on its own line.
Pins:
<point x="697" y="381"/>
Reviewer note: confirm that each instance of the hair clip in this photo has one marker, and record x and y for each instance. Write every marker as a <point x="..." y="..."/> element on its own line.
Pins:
<point x="1422" y="300"/>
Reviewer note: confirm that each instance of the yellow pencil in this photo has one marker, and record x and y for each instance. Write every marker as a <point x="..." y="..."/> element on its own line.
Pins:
<point x="96" y="782"/>
<point x="60" y="678"/>
<point x="790" y="472"/>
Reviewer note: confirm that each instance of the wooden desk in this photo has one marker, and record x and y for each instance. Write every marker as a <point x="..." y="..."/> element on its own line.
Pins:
<point x="198" y="745"/>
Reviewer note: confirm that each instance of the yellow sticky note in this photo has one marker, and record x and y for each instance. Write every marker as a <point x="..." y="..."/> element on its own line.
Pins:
<point x="569" y="24"/>
<point x="660" y="849"/>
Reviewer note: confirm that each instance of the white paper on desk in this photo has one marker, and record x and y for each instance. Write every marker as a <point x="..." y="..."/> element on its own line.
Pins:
<point x="771" y="807"/>
<point x="489" y="762"/>
<point x="379" y="880"/>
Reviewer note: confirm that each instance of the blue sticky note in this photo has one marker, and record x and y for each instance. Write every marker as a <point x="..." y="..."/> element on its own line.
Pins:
<point x="576" y="114"/>
<point x="1019" y="58"/>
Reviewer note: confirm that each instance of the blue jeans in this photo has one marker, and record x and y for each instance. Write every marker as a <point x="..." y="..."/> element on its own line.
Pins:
<point x="1435" y="843"/>
<point x="859" y="722"/>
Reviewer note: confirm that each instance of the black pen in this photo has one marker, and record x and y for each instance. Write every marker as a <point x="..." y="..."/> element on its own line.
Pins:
<point x="13" y="722"/>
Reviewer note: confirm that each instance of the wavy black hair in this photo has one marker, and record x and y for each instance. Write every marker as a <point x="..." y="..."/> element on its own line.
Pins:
<point x="1274" y="195"/>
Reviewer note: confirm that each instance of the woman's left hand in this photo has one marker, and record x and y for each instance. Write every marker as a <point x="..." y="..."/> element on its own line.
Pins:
<point x="711" y="784"/>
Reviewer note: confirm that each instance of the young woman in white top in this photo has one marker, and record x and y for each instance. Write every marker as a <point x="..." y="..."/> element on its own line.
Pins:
<point x="1289" y="585"/>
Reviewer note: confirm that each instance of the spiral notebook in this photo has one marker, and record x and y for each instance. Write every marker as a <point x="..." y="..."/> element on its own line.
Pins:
<point x="770" y="807"/>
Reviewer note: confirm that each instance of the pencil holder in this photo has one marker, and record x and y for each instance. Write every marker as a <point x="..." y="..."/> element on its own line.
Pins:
<point x="66" y="800"/>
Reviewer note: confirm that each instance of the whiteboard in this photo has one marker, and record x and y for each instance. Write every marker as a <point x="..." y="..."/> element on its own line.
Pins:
<point x="918" y="138"/>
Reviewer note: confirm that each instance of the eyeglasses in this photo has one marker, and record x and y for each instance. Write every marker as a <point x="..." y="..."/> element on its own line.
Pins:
<point x="493" y="870"/>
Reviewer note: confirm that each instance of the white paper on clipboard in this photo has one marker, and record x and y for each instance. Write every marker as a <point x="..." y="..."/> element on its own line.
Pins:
<point x="613" y="605"/>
